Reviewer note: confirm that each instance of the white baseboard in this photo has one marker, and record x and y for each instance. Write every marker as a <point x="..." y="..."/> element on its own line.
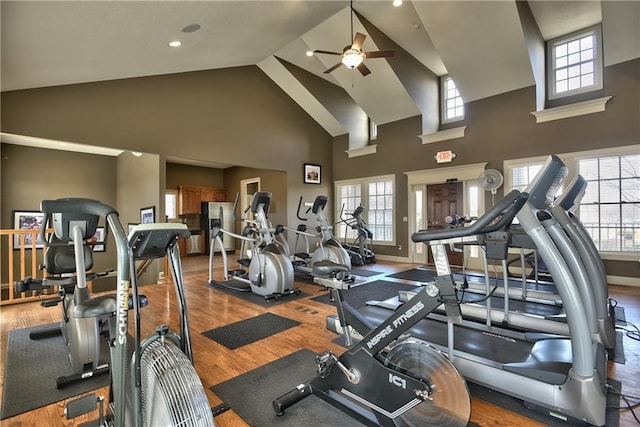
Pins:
<point x="392" y="258"/>
<point x="623" y="280"/>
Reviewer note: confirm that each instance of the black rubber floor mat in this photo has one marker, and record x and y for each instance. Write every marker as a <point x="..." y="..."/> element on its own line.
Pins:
<point x="31" y="369"/>
<point x="243" y="291"/>
<point x="415" y="274"/>
<point x="248" y="331"/>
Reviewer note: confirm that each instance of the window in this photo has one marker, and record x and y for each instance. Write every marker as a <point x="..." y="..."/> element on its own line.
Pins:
<point x="575" y="63"/>
<point x="373" y="130"/>
<point x="171" y="204"/>
<point x="610" y="208"/>
<point x="452" y="108"/>
<point x="521" y="176"/>
<point x="376" y="194"/>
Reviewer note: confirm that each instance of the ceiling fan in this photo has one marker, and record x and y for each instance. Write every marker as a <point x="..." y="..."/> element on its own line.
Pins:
<point x="353" y="56"/>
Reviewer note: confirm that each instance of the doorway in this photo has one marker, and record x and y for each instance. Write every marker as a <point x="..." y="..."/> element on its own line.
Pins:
<point x="248" y="187"/>
<point x="421" y="184"/>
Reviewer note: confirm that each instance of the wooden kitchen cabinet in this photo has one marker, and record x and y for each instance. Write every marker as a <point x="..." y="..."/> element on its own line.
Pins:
<point x="212" y="195"/>
<point x="188" y="200"/>
<point x="190" y="197"/>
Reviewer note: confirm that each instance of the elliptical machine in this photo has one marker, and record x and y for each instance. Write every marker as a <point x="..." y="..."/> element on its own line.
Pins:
<point x="329" y="248"/>
<point x="67" y="260"/>
<point x="159" y="385"/>
<point x="360" y="249"/>
<point x="270" y="270"/>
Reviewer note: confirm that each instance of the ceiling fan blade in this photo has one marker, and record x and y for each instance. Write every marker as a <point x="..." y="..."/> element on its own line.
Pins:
<point x="333" y="68"/>
<point x="379" y="54"/>
<point x="363" y="69"/>
<point x="358" y="40"/>
<point x="327" y="52"/>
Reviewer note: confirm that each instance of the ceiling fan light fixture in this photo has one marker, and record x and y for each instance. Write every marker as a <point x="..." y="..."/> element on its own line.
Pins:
<point x="352" y="58"/>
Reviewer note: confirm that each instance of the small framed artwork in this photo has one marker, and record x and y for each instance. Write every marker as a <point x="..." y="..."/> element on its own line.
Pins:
<point x="27" y="220"/>
<point x="148" y="215"/>
<point x="99" y="242"/>
<point x="312" y="173"/>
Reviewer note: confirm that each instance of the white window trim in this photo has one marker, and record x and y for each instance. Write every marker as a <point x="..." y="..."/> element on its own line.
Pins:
<point x="362" y="182"/>
<point x="598" y="84"/>
<point x="443" y="135"/>
<point x="572" y="110"/>
<point x="571" y="161"/>
<point x="362" y="151"/>
<point x="443" y="103"/>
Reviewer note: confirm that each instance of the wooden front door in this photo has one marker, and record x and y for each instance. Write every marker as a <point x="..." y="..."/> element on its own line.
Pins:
<point x="443" y="200"/>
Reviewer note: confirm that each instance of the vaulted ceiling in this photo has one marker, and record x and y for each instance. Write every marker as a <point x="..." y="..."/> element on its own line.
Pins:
<point x="481" y="44"/>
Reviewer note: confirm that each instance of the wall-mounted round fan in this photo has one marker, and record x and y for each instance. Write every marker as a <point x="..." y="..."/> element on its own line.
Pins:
<point x="352" y="55"/>
<point x="491" y="180"/>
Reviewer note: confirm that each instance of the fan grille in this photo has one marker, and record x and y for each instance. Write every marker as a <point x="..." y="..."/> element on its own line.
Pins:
<point x="172" y="393"/>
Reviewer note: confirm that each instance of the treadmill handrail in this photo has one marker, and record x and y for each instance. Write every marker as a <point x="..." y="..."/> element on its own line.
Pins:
<point x="507" y="208"/>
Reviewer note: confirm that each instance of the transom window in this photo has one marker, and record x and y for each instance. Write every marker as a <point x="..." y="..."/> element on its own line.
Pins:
<point x="376" y="195"/>
<point x="171" y="204"/>
<point x="575" y="63"/>
<point x="452" y="104"/>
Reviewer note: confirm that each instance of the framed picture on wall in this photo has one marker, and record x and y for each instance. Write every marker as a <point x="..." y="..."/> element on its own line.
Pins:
<point x="312" y="173"/>
<point x="148" y="215"/>
<point x="27" y="220"/>
<point x="99" y="242"/>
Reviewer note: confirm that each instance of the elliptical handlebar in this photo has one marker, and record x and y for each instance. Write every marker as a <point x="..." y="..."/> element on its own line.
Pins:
<point x="506" y="209"/>
<point x="298" y="211"/>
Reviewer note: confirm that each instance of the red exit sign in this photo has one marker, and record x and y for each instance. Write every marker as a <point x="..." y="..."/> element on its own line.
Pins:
<point x="445" y="156"/>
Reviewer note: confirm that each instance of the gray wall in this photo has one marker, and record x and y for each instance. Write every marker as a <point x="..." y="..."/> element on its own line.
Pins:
<point x="501" y="128"/>
<point x="236" y="116"/>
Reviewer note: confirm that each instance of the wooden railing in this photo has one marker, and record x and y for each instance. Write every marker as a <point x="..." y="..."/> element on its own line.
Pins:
<point x="21" y="259"/>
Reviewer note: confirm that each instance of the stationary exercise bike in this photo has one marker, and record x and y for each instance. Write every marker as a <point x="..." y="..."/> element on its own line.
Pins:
<point x="68" y="258"/>
<point x="389" y="378"/>
<point x="270" y="272"/>
<point x="158" y="385"/>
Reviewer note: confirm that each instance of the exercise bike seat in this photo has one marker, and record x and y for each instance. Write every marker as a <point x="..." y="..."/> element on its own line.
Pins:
<point x="326" y="267"/>
<point x="103" y="305"/>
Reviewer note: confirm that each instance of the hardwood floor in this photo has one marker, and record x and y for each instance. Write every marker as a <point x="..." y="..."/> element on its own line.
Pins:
<point x="209" y="308"/>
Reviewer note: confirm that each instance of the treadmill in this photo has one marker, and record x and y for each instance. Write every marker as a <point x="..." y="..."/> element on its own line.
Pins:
<point x="587" y="270"/>
<point x="565" y="377"/>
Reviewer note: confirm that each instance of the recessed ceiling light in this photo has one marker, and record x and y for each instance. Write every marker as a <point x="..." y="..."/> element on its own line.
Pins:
<point x="397" y="3"/>
<point x="309" y="53"/>
<point x="175" y="43"/>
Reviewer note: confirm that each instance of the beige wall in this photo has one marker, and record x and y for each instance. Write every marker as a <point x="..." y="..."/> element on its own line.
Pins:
<point x="178" y="174"/>
<point x="30" y="175"/>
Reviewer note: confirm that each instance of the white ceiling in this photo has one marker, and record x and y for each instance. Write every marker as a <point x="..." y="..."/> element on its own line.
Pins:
<point x="479" y="43"/>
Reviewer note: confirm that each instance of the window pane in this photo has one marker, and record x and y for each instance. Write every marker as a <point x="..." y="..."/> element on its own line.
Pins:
<point x="562" y="86"/>
<point x="610" y="191"/>
<point x="561" y="50"/>
<point x="588" y="168"/>
<point x="586" y="55"/>
<point x="609" y="167"/>
<point x="574" y="83"/>
<point x="630" y="166"/>
<point x="586" y="42"/>
<point x="630" y="190"/>
<point x="573" y="46"/>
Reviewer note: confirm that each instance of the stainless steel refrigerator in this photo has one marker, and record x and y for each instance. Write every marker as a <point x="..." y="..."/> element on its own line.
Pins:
<point x="217" y="214"/>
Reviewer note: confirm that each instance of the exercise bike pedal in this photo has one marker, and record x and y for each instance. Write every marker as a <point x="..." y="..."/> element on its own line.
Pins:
<point x="50" y="302"/>
<point x="83" y="406"/>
